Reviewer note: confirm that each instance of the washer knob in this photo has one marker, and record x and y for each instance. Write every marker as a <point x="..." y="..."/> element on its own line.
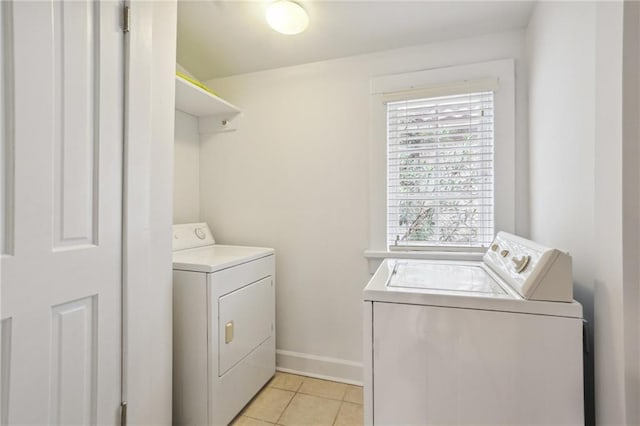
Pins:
<point x="520" y="263"/>
<point x="494" y="247"/>
<point x="504" y="253"/>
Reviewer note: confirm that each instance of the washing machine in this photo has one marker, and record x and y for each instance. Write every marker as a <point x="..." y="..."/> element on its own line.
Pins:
<point x="223" y="325"/>
<point x="491" y="342"/>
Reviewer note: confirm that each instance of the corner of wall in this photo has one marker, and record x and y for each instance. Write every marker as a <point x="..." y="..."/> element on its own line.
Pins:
<point x="184" y="70"/>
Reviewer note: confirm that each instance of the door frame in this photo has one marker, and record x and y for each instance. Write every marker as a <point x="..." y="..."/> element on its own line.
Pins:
<point x="147" y="352"/>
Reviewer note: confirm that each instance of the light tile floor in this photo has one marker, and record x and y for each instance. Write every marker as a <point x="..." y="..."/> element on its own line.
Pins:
<point x="291" y="400"/>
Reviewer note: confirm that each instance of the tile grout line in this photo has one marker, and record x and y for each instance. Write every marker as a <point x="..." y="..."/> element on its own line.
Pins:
<point x="337" y="413"/>
<point x="342" y="400"/>
<point x="267" y="386"/>
<point x="323" y="397"/>
<point x="340" y="407"/>
<point x="288" y="403"/>
<point x="246" y="407"/>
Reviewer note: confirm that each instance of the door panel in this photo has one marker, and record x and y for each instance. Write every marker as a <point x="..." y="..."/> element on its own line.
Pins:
<point x="249" y="312"/>
<point x="61" y="204"/>
<point x="76" y="109"/>
<point x="6" y="127"/>
<point x="73" y="362"/>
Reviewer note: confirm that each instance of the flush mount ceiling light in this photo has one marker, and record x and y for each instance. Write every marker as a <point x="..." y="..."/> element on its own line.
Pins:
<point x="287" y="17"/>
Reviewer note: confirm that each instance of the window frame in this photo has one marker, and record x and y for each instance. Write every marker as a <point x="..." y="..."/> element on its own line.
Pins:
<point x="498" y="76"/>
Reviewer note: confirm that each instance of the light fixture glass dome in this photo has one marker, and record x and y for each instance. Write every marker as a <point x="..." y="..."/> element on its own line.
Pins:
<point x="287" y="17"/>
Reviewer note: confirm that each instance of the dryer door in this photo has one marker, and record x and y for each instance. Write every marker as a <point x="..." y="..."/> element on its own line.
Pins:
<point x="246" y="321"/>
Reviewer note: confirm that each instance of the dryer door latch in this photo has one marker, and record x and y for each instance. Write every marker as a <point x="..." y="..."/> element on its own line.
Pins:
<point x="228" y="332"/>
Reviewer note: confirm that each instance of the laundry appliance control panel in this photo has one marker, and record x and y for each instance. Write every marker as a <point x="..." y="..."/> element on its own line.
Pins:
<point x="192" y="235"/>
<point x="534" y="271"/>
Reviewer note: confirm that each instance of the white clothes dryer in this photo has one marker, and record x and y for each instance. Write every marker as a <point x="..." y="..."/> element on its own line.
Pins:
<point x="223" y="325"/>
<point x="492" y="342"/>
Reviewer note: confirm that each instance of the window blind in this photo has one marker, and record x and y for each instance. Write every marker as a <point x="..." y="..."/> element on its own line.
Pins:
<point x="440" y="171"/>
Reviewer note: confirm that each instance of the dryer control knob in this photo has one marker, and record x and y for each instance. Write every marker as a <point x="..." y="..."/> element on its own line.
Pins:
<point x="200" y="233"/>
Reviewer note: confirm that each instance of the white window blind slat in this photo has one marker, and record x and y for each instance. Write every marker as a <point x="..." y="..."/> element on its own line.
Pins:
<point x="429" y="134"/>
<point x="462" y="103"/>
<point x="413" y="161"/>
<point x="468" y="185"/>
<point x="463" y="148"/>
<point x="479" y="171"/>
<point x="429" y="116"/>
<point x="440" y="171"/>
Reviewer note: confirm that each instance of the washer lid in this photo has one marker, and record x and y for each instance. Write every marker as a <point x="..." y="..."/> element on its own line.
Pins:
<point x="216" y="257"/>
<point x="416" y="287"/>
<point x="444" y="276"/>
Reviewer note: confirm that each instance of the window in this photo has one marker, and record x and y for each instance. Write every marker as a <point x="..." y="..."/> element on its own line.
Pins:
<point x="442" y="161"/>
<point x="440" y="171"/>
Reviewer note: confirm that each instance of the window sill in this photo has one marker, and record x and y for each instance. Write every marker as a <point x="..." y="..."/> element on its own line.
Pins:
<point x="375" y="257"/>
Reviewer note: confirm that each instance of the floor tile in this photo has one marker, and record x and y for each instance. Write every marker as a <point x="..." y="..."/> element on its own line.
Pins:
<point x="353" y="394"/>
<point x="323" y="388"/>
<point x="310" y="410"/>
<point x="269" y="404"/>
<point x="350" y="415"/>
<point x="286" y="381"/>
<point x="248" y="421"/>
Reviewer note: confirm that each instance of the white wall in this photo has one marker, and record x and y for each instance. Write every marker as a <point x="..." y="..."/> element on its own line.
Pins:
<point x="561" y="45"/>
<point x="186" y="177"/>
<point x="294" y="176"/>
<point x="577" y="193"/>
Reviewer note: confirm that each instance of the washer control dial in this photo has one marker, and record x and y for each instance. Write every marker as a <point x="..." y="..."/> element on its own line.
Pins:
<point x="520" y="263"/>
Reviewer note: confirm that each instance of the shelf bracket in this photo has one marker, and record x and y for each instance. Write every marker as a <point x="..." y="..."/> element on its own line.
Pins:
<point x="215" y="124"/>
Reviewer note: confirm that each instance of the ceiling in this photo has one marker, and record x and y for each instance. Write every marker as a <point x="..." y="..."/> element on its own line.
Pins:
<point x="222" y="38"/>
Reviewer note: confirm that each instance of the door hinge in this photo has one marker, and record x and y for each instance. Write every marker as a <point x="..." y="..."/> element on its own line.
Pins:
<point x="126" y="19"/>
<point x="123" y="413"/>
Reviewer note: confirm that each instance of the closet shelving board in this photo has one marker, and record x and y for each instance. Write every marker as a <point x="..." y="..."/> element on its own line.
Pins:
<point x="200" y="103"/>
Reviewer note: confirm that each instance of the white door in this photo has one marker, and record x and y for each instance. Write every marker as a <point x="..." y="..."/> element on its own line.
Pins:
<point x="62" y="132"/>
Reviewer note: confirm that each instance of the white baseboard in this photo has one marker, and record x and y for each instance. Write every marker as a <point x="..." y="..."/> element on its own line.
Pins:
<point x="321" y="367"/>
